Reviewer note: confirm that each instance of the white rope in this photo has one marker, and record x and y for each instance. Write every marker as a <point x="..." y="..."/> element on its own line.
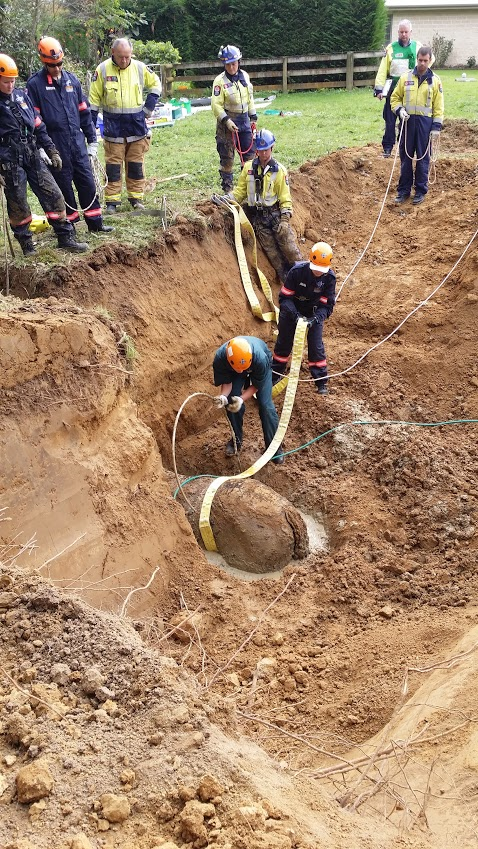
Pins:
<point x="377" y="221"/>
<point x="397" y="328"/>
<point x="178" y="416"/>
<point x="100" y="180"/>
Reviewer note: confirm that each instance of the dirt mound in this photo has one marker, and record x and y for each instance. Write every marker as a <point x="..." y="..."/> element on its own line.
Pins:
<point x="310" y="665"/>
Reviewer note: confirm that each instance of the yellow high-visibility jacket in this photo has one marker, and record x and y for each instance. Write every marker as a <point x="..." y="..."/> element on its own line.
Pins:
<point x="397" y="61"/>
<point x="425" y="100"/>
<point x="232" y="97"/>
<point x="119" y="93"/>
<point x="273" y="183"/>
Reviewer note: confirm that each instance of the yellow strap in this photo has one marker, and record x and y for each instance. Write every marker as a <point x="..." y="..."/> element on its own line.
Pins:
<point x="292" y="381"/>
<point x="241" y="220"/>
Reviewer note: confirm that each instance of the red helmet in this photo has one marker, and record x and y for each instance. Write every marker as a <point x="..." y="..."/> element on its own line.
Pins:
<point x="50" y="51"/>
<point x="7" y="67"/>
<point x="239" y="353"/>
<point x="320" y="257"/>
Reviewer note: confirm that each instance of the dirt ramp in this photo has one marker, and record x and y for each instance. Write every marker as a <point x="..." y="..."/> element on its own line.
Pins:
<point x="82" y="476"/>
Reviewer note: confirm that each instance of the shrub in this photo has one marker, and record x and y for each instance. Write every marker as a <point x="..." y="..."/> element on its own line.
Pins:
<point x="442" y="48"/>
<point x="156" y="52"/>
<point x="471" y="62"/>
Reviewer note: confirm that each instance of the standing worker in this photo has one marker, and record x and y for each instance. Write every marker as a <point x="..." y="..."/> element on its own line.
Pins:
<point x="418" y="101"/>
<point x="117" y="88"/>
<point x="242" y="368"/>
<point x="400" y="57"/>
<point x="232" y="104"/>
<point x="264" y="185"/>
<point x="21" y="130"/>
<point x="308" y="292"/>
<point x="57" y="95"/>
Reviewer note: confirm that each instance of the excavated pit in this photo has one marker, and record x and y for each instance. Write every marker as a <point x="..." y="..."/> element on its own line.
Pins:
<point x="311" y="662"/>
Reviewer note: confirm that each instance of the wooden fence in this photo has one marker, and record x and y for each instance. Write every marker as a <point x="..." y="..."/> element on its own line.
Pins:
<point x="284" y="73"/>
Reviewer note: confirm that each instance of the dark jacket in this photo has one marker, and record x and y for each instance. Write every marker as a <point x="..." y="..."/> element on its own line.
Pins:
<point x="63" y="106"/>
<point x="308" y="293"/>
<point x="21" y="129"/>
<point x="258" y="373"/>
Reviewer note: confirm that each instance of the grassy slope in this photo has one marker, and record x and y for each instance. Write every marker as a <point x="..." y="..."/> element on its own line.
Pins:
<point x="329" y="119"/>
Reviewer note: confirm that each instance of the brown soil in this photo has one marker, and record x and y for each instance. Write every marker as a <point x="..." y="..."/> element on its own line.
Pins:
<point x="209" y="706"/>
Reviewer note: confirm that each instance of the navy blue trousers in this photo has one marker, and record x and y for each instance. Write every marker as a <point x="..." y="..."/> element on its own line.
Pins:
<point x="285" y="340"/>
<point x="390" y="133"/>
<point x="267" y="411"/>
<point x="33" y="172"/>
<point x="76" y="170"/>
<point x="414" y="141"/>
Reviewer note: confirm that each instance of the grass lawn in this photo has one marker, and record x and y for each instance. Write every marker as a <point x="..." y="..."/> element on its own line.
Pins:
<point x="329" y="119"/>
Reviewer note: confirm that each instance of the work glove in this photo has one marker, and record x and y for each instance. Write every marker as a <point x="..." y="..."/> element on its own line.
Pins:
<point x="235" y="404"/>
<point x="253" y="126"/>
<point x="434" y="134"/>
<point x="283" y="225"/>
<point x="55" y="159"/>
<point x="147" y="112"/>
<point x="231" y="126"/>
<point x="220" y="401"/>
<point x="403" y="114"/>
<point x="2" y="182"/>
<point x="92" y="149"/>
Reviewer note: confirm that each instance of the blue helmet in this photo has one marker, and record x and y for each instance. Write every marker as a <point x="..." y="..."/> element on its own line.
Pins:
<point x="264" y="140"/>
<point x="229" y="53"/>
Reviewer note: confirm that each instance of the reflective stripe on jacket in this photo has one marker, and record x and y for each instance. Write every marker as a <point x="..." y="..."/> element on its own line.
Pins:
<point x="62" y="103"/>
<point x="119" y="92"/>
<point x="263" y="188"/>
<point x="232" y="96"/>
<point x="423" y="98"/>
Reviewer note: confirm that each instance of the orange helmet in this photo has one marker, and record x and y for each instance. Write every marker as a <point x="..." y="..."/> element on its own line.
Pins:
<point x="239" y="353"/>
<point x="50" y="50"/>
<point x="7" y="67"/>
<point x="320" y="257"/>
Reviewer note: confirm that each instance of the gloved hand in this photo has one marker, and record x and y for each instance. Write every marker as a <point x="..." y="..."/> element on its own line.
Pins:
<point x="92" y="149"/>
<point x="147" y="112"/>
<point x="55" y="159"/>
<point x="434" y="134"/>
<point x="253" y="126"/>
<point x="2" y="182"/>
<point x="220" y="401"/>
<point x="283" y="225"/>
<point x="235" y="404"/>
<point x="403" y="114"/>
<point x="231" y="126"/>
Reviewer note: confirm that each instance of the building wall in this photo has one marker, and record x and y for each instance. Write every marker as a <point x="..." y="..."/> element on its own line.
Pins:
<point x="459" y="24"/>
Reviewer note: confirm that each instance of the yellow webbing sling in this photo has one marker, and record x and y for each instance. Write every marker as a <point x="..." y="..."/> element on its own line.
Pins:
<point x="241" y="220"/>
<point x="292" y="381"/>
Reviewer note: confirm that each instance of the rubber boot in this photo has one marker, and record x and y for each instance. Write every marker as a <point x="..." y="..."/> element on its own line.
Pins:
<point x="67" y="242"/>
<point x="27" y="246"/>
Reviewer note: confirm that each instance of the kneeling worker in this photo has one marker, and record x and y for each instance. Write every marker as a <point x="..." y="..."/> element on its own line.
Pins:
<point x="242" y="368"/>
<point x="308" y="292"/>
<point x="264" y="185"/>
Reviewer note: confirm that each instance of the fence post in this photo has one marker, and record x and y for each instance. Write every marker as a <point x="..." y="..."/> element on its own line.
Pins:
<point x="167" y="76"/>
<point x="349" y="72"/>
<point x="284" y="75"/>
